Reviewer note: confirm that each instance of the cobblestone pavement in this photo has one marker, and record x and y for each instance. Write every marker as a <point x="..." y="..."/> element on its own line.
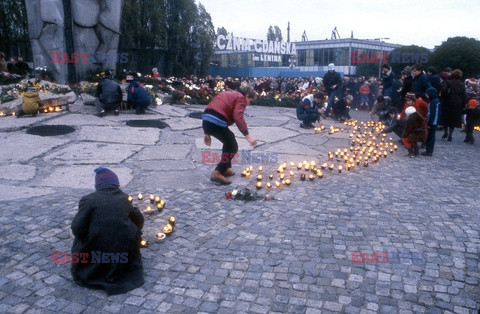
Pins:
<point x="293" y="254"/>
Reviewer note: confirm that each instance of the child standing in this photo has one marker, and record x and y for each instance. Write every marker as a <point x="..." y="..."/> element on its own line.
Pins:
<point x="432" y="119"/>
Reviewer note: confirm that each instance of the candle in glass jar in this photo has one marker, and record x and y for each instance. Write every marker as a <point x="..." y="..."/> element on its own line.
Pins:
<point x="140" y="196"/>
<point x="277" y="184"/>
<point x="172" y="220"/>
<point x="311" y="177"/>
<point x="259" y="185"/>
<point x="270" y="176"/>
<point x="152" y="198"/>
<point x="269" y="185"/>
<point x="130" y="199"/>
<point x="340" y="169"/>
<point x="259" y="177"/>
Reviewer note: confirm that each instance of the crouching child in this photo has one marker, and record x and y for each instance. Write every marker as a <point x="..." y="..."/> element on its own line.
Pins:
<point x="414" y="132"/>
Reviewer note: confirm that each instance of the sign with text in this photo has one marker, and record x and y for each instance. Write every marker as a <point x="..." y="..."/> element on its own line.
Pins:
<point x="265" y="50"/>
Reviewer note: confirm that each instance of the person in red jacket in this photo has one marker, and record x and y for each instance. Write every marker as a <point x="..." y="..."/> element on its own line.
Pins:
<point x="224" y="110"/>
<point x="364" y="93"/>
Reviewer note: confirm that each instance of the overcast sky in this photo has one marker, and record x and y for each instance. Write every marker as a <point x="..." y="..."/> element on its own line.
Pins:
<point x="419" y="22"/>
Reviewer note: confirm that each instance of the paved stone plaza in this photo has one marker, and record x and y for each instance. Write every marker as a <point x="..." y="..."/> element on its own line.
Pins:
<point x="292" y="254"/>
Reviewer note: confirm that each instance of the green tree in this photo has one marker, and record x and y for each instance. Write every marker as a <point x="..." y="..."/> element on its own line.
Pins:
<point x="367" y="69"/>
<point x="202" y="39"/>
<point x="270" y="34"/>
<point x="143" y="34"/>
<point x="14" y="38"/>
<point x="278" y="33"/>
<point x="401" y="57"/>
<point x="222" y="31"/>
<point x="458" y="53"/>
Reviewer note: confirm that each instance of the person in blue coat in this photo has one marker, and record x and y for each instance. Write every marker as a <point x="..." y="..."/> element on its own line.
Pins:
<point x="432" y="119"/>
<point x="137" y="96"/>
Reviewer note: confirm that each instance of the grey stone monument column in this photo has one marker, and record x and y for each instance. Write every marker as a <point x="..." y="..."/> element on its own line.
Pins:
<point x="95" y="28"/>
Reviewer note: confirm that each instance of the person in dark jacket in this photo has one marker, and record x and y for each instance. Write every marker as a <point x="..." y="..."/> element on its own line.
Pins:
<point x="387" y="80"/>
<point x="394" y="125"/>
<point x="341" y="109"/>
<point x="109" y="95"/>
<point x="137" y="96"/>
<point x="307" y="110"/>
<point x="473" y="118"/>
<point x="225" y="109"/>
<point x="21" y="67"/>
<point x="455" y="99"/>
<point x="434" y="78"/>
<point x="107" y="229"/>
<point x="332" y="83"/>
<point x="432" y="119"/>
<point x="11" y="66"/>
<point x="420" y="82"/>
<point x="414" y="131"/>
<point x="407" y="81"/>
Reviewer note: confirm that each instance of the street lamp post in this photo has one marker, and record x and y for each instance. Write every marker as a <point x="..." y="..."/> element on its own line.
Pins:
<point x="381" y="53"/>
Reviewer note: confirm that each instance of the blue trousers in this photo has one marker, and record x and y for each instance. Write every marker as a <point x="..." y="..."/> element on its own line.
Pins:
<point x="431" y="138"/>
<point x="331" y="101"/>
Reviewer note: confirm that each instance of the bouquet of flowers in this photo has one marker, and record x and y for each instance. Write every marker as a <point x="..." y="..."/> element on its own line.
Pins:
<point x="246" y="195"/>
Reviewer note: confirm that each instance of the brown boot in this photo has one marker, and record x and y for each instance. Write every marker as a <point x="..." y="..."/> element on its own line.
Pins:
<point x="219" y="178"/>
<point x="229" y="172"/>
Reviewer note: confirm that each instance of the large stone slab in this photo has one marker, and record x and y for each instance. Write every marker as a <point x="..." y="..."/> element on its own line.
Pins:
<point x="164" y="151"/>
<point x="116" y="134"/>
<point x="165" y="165"/>
<point x="82" y="177"/>
<point x="85" y="12"/>
<point x="243" y="144"/>
<point x="259" y="121"/>
<point x="20" y="147"/>
<point x="93" y="153"/>
<point x="9" y="124"/>
<point x="292" y="148"/>
<point x="51" y="11"/>
<point x="181" y="124"/>
<point x="11" y="192"/>
<point x="111" y="14"/>
<point x="271" y="134"/>
<point x="17" y="172"/>
<point x="171" y="111"/>
<point x="79" y="120"/>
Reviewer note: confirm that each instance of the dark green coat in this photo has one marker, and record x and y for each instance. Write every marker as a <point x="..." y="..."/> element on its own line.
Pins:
<point x="106" y="222"/>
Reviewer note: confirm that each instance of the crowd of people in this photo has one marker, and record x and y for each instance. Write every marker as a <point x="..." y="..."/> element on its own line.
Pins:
<point x="19" y="67"/>
<point x="412" y="107"/>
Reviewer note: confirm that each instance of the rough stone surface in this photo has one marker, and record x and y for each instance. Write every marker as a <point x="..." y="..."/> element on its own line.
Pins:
<point x="288" y="255"/>
<point x="96" y="27"/>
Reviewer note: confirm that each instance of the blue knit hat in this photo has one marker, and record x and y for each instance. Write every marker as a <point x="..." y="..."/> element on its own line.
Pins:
<point x="105" y="176"/>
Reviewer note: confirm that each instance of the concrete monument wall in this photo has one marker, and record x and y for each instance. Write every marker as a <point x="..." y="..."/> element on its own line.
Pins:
<point x="95" y="30"/>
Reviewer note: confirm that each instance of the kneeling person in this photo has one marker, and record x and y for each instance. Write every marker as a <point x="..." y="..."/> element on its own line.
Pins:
<point x="307" y="110"/>
<point x="108" y="225"/>
<point x="137" y="96"/>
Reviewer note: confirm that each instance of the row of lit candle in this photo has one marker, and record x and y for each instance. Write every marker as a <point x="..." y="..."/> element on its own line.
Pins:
<point x="167" y="230"/>
<point x="351" y="160"/>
